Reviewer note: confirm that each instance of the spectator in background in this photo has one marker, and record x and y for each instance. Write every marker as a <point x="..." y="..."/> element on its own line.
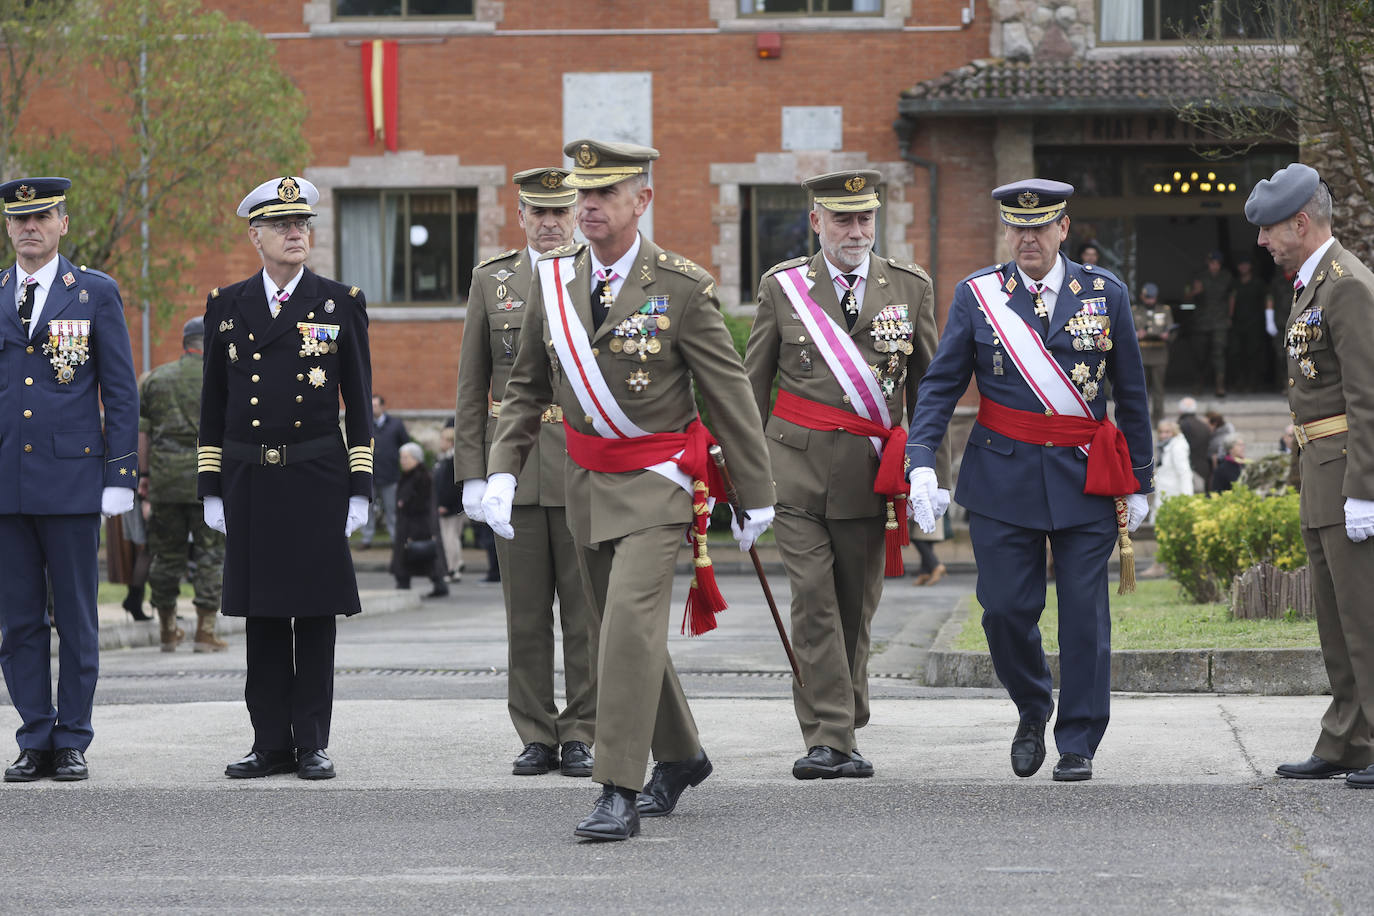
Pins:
<point x="1214" y="298"/>
<point x="1288" y="442"/>
<point x="388" y="435"/>
<point x="1173" y="468"/>
<point x="1089" y="253"/>
<point x="1217" y="442"/>
<point x="1153" y="327"/>
<point x="415" y="523"/>
<point x="1198" y="432"/>
<point x="1248" y="346"/>
<point x="1282" y="295"/>
<point x="1229" y="465"/>
<point x="448" y="504"/>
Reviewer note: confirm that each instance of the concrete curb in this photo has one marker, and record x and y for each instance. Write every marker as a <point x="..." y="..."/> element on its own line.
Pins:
<point x="130" y="634"/>
<point x="1266" y="672"/>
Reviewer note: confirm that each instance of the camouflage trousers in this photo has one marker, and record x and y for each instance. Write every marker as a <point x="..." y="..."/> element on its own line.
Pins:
<point x="178" y="537"/>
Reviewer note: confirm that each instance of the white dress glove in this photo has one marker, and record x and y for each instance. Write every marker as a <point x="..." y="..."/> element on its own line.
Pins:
<point x="759" y="520"/>
<point x="925" y="496"/>
<point x="1137" y="507"/>
<point x="116" y="501"/>
<point x="214" y="513"/>
<point x="1359" y="518"/>
<point x="473" y="491"/>
<point x="1270" y="328"/>
<point x="357" y="514"/>
<point x="496" y="504"/>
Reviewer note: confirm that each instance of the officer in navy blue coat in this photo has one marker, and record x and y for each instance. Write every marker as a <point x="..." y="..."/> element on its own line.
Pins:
<point x="64" y="351"/>
<point x="277" y="477"/>
<point x="1042" y="336"/>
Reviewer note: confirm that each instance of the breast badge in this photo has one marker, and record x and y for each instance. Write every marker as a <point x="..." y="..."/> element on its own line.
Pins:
<point x="1090" y="326"/>
<point x="316" y="377"/>
<point x="329" y="306"/>
<point x="233" y="353"/>
<point x="638" y="380"/>
<point x="227" y="325"/>
<point x="68" y="346"/>
<point x="318" y="339"/>
<point x="83" y="297"/>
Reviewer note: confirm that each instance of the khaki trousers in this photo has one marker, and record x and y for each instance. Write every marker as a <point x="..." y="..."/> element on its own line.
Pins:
<point x="640" y="704"/>
<point x="542" y="560"/>
<point x="835" y="568"/>
<point x="1342" y="581"/>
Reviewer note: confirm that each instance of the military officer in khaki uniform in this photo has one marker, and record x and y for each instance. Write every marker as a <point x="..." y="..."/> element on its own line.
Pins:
<point x="619" y="333"/>
<point x="1330" y="343"/>
<point x="542" y="558"/>
<point x="847" y="335"/>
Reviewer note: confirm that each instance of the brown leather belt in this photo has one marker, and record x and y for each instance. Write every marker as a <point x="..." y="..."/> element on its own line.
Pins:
<point x="1318" y="429"/>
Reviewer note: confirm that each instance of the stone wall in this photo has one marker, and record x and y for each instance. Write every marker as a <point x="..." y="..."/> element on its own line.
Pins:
<point x="1043" y="29"/>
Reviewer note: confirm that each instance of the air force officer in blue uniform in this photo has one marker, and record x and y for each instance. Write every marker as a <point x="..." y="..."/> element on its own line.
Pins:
<point x="1042" y="336"/>
<point x="64" y="350"/>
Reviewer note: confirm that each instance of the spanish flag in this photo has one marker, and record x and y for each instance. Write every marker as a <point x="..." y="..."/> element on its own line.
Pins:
<point x="380" y="94"/>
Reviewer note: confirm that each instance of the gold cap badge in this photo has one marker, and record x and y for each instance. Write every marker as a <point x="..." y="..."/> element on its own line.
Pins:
<point x="855" y="184"/>
<point x="288" y="190"/>
<point x="1028" y="199"/>
<point x="552" y="180"/>
<point x="586" y="156"/>
<point x="25" y="193"/>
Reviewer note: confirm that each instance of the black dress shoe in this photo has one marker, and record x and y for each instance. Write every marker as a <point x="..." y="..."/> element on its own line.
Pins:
<point x="1073" y="768"/>
<point x="667" y="783"/>
<point x="1312" y="768"/>
<point x="314" y="763"/>
<point x="1028" y="747"/>
<point x="69" y="765"/>
<point x="30" y="765"/>
<point x="535" y="760"/>
<point x="261" y="763"/>
<point x="613" y="816"/>
<point x="823" y="762"/>
<point x="440" y="590"/>
<point x="1361" y="779"/>
<point x="575" y="760"/>
<point x="862" y="767"/>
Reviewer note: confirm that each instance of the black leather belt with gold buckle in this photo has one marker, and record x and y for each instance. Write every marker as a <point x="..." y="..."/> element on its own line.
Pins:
<point x="276" y="455"/>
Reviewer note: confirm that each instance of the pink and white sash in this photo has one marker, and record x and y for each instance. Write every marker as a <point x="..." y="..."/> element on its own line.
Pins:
<point x="574" y="348"/>
<point x="836" y="347"/>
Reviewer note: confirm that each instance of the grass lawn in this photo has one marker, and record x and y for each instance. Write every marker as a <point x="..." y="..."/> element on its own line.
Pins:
<point x="112" y="593"/>
<point x="1157" y="616"/>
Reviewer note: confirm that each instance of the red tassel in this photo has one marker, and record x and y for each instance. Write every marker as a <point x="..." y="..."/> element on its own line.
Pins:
<point x="893" y="537"/>
<point x="704" y="599"/>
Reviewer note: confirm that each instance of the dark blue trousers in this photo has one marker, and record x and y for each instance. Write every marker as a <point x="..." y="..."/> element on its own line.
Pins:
<point x="1011" y="589"/>
<point x="61" y="549"/>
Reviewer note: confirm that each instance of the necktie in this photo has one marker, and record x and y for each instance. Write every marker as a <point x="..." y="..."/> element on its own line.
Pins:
<point x="26" y="303"/>
<point x="1297" y="288"/>
<point x="848" y="282"/>
<point x="1041" y="308"/>
<point x="277" y="301"/>
<point x="602" y="297"/>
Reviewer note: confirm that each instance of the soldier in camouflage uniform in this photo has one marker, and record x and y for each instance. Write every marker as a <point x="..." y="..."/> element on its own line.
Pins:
<point x="169" y="404"/>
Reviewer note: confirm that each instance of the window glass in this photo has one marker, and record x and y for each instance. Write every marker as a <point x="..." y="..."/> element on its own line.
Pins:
<point x="808" y="7"/>
<point x="775" y="225"/>
<point x="1174" y="20"/>
<point x="345" y="8"/>
<point x="408" y="247"/>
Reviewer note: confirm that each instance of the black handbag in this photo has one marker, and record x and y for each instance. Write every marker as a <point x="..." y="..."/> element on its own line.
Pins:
<point x="420" y="554"/>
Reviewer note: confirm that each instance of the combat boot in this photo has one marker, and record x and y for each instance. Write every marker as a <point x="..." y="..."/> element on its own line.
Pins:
<point x="206" y="640"/>
<point x="171" y="633"/>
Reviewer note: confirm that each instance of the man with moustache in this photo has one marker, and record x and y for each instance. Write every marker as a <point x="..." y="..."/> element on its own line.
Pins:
<point x="1041" y="335"/>
<point x="542" y="558"/>
<point x="847" y="336"/>
<point x="64" y="350"/>
<point x="622" y="335"/>
<point x="279" y="481"/>
<point x="1330" y="344"/>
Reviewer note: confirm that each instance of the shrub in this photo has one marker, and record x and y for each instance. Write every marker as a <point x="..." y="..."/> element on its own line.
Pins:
<point x="1206" y="541"/>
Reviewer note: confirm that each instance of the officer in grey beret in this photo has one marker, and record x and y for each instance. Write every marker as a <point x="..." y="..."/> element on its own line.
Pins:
<point x="1329" y="341"/>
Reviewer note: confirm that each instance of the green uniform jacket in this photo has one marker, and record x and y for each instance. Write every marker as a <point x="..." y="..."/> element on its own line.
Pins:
<point x="1335" y="376"/>
<point x="169" y="413"/>
<point x="694" y="348"/>
<point x="497" y="309"/>
<point x="831" y="473"/>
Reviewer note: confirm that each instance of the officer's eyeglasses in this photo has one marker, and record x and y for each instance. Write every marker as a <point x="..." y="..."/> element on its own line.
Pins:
<point x="284" y="226"/>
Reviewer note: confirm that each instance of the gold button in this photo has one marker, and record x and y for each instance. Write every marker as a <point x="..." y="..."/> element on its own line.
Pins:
<point x="588" y="418"/>
<point x="257" y="356"/>
<point x="1342" y="451"/>
<point x="299" y="377"/>
<point x="28" y="381"/>
<point x="28" y="349"/>
<point x="845" y="399"/>
<point x="88" y="450"/>
<point x="298" y="424"/>
<point x="1049" y="445"/>
<point x="1049" y="411"/>
<point x="1290" y="383"/>
<point x="250" y="336"/>
<point x="253" y="401"/>
<point x="257" y="422"/>
<point x="27" y="447"/>
<point x="506" y="326"/>
<point x="299" y="399"/>
<point x="596" y="351"/>
<point x="257" y="377"/>
<point x="801" y="339"/>
<point x="27" y="414"/>
<point x="309" y="314"/>
<point x="987" y="442"/>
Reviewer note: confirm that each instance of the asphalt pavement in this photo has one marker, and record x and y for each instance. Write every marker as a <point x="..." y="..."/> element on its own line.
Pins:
<point x="1183" y="813"/>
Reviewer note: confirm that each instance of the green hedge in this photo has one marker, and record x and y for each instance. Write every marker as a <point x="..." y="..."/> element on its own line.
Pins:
<point x="1206" y="541"/>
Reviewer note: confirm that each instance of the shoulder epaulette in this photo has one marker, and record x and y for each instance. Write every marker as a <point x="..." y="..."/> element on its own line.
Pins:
<point x="561" y="251"/>
<point x="497" y="257"/>
<point x="214" y="293"/>
<point x="685" y="266"/>
<point x="916" y="269"/>
<point x="787" y="265"/>
<point x="354" y="290"/>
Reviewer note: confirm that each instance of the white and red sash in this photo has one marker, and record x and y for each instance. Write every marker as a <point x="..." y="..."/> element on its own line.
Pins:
<point x="573" y="345"/>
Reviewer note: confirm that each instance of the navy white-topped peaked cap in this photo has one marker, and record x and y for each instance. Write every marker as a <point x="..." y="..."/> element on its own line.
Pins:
<point x="288" y="196"/>
<point x="1277" y="198"/>
<point x="1032" y="202"/>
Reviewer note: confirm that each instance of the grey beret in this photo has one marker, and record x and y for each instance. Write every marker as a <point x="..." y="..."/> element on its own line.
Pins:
<point x="1276" y="199"/>
<point x="193" y="328"/>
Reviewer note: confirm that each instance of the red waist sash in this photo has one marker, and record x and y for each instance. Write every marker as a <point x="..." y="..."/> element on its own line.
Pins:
<point x="824" y="418"/>
<point x="1109" y="460"/>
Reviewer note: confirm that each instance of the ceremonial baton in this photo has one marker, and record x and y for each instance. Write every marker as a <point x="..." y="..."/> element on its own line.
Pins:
<point x="732" y="497"/>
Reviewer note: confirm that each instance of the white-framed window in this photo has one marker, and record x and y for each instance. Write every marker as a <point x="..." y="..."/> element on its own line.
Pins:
<point x="402" y="9"/>
<point x="1123" y="21"/>
<point x="407" y="247"/>
<point x="809" y="7"/>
